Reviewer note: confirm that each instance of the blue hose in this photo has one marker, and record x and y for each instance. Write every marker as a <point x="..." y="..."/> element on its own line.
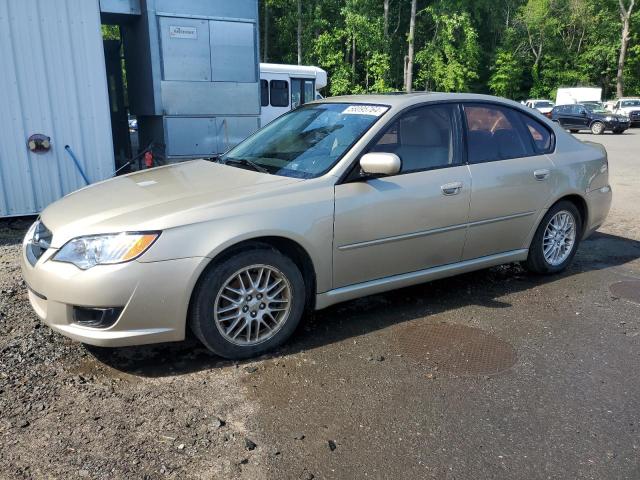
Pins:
<point x="75" y="160"/>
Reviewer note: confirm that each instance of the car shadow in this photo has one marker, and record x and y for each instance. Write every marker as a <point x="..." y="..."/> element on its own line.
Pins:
<point x="365" y="315"/>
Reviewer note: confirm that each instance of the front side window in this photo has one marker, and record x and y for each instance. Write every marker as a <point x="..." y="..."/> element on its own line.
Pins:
<point x="279" y="92"/>
<point x="494" y="133"/>
<point x="306" y="142"/>
<point x="423" y="138"/>
<point x="577" y="109"/>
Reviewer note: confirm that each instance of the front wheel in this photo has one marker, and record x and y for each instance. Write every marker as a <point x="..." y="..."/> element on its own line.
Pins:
<point x="248" y="304"/>
<point x="556" y="240"/>
<point x="597" y="128"/>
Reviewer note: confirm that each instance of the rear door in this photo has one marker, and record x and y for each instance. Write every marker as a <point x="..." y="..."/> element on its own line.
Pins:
<point x="563" y="116"/>
<point x="511" y="177"/>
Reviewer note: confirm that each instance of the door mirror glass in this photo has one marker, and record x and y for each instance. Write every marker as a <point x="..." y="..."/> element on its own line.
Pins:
<point x="380" y="163"/>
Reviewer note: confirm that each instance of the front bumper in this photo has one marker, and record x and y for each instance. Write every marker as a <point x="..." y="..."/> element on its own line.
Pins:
<point x="617" y="125"/>
<point x="154" y="298"/>
<point x="598" y="206"/>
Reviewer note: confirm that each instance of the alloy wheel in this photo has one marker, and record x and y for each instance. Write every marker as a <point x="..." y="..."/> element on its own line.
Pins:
<point x="559" y="238"/>
<point x="253" y="305"/>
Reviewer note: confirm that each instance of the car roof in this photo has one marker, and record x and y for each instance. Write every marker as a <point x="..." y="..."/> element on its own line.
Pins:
<point x="408" y="99"/>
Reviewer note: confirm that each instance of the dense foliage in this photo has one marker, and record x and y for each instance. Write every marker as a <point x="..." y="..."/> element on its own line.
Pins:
<point x="512" y="48"/>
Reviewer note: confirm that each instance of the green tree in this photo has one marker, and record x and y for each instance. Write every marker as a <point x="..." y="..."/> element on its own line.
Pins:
<point x="449" y="60"/>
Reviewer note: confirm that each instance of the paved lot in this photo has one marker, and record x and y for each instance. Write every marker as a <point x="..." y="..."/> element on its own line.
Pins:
<point x="494" y="374"/>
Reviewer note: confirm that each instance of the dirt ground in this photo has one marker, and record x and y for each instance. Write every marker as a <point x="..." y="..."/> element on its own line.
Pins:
<point x="493" y="374"/>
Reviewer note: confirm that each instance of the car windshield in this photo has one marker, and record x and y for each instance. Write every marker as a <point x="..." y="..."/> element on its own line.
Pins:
<point x="543" y="104"/>
<point x="594" y="107"/>
<point x="631" y="103"/>
<point x="306" y="142"/>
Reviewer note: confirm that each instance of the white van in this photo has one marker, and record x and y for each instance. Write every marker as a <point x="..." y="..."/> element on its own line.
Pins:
<point x="285" y="87"/>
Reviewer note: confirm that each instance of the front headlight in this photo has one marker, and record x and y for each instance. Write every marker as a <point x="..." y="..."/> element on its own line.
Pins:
<point x="92" y="250"/>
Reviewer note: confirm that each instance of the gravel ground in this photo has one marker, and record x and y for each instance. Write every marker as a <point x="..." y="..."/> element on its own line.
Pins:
<point x="494" y="374"/>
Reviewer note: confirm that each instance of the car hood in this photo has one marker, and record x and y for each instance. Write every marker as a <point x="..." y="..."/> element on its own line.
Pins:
<point x="156" y="199"/>
<point x="608" y="115"/>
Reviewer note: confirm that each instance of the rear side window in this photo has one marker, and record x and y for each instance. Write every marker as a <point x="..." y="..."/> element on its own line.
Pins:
<point x="279" y="91"/>
<point x="495" y="133"/>
<point x="264" y="93"/>
<point x="540" y="135"/>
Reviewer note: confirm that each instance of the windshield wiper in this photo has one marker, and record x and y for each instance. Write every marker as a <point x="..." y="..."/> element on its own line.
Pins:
<point x="245" y="161"/>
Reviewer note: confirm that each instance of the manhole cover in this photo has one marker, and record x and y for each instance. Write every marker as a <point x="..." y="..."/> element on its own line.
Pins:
<point x="456" y="349"/>
<point x="628" y="289"/>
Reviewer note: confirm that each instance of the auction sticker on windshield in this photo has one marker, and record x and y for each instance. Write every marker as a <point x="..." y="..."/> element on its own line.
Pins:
<point x="375" y="110"/>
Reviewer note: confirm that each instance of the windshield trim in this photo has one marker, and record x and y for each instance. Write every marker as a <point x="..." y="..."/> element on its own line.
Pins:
<point x="308" y="105"/>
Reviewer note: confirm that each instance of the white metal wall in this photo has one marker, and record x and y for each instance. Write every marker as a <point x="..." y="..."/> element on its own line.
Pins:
<point x="52" y="81"/>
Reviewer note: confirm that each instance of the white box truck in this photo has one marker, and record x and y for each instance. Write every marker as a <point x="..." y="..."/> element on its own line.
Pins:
<point x="568" y="96"/>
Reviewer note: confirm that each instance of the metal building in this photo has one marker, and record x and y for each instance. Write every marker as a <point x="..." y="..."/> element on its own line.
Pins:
<point x="52" y="83"/>
<point x="192" y="80"/>
<point x="192" y="72"/>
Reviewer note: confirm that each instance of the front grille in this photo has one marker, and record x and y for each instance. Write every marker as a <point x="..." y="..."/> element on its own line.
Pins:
<point x="39" y="242"/>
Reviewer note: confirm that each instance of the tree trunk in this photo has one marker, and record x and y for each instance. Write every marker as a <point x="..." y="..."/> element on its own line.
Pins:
<point x="386" y="19"/>
<point x="299" y="32"/>
<point x="265" y="33"/>
<point x="412" y="28"/>
<point x="353" y="57"/>
<point x="625" y="16"/>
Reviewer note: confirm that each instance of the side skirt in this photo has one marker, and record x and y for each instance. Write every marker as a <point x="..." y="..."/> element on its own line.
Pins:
<point x="342" y="294"/>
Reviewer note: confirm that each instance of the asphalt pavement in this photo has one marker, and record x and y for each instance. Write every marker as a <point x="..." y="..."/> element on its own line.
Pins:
<point x="495" y="374"/>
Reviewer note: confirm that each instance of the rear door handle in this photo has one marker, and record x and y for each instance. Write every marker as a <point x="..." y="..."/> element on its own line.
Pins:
<point x="542" y="174"/>
<point x="452" y="188"/>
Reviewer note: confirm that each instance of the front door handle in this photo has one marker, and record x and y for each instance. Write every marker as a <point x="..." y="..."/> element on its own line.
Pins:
<point x="452" y="188"/>
<point x="542" y="174"/>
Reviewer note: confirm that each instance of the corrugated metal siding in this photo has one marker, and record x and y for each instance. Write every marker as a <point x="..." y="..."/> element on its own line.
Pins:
<point x="52" y="81"/>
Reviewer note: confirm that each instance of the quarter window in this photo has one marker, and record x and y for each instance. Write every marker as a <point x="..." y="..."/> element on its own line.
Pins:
<point x="279" y="92"/>
<point x="541" y="136"/>
<point x="494" y="133"/>
<point x="423" y="138"/>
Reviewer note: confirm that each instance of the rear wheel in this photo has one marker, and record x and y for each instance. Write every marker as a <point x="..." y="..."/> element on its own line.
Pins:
<point x="556" y="240"/>
<point x="248" y="304"/>
<point x="573" y="130"/>
<point x="618" y="131"/>
<point x="597" y="128"/>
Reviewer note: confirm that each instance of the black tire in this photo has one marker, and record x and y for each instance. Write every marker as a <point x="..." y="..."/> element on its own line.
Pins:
<point x="574" y="130"/>
<point x="597" y="128"/>
<point x="201" y="317"/>
<point x="618" y="131"/>
<point x="536" y="261"/>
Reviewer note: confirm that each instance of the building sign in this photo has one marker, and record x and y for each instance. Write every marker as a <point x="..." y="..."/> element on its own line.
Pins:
<point x="183" y="32"/>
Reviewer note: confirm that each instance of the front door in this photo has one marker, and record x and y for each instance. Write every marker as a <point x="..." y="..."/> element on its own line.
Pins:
<point x="511" y="176"/>
<point x="410" y="221"/>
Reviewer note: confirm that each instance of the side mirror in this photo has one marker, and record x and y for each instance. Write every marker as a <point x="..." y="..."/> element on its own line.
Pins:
<point x="583" y="113"/>
<point x="380" y="163"/>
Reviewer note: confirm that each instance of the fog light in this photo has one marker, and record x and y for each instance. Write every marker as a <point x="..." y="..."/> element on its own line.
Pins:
<point x="96" y="317"/>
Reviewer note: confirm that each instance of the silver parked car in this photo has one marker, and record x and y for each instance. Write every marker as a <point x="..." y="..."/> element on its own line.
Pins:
<point x="341" y="198"/>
